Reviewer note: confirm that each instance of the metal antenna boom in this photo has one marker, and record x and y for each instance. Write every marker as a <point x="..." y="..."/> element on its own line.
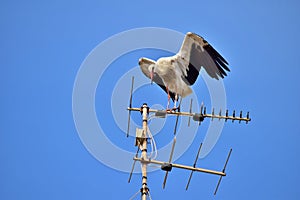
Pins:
<point x="196" y="116"/>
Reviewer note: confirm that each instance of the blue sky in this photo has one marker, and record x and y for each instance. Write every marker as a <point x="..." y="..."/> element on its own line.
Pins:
<point x="43" y="45"/>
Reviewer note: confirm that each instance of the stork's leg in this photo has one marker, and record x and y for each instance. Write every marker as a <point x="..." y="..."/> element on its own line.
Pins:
<point x="175" y="101"/>
<point x="168" y="98"/>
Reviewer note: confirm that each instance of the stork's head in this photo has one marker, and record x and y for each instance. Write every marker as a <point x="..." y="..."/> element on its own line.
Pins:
<point x="147" y="67"/>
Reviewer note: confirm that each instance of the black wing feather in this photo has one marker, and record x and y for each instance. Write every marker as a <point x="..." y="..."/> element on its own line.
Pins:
<point x="216" y="54"/>
<point x="223" y="64"/>
<point x="218" y="59"/>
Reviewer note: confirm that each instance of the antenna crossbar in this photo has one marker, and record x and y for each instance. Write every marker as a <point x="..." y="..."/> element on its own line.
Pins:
<point x="196" y="116"/>
<point x="157" y="162"/>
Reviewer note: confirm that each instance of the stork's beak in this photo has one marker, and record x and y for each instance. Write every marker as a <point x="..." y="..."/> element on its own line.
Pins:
<point x="151" y="75"/>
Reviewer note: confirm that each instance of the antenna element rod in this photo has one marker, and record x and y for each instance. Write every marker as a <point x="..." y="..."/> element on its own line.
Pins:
<point x="194" y="165"/>
<point x="130" y="105"/>
<point x="223" y="172"/>
<point x="170" y="159"/>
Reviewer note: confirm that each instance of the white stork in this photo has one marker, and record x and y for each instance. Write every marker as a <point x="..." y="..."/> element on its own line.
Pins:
<point x="177" y="73"/>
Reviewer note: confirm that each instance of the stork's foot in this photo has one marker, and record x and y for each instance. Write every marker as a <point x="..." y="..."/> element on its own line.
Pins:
<point x="173" y="109"/>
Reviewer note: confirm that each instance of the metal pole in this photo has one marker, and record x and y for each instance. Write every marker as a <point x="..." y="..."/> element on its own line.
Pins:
<point x="144" y="189"/>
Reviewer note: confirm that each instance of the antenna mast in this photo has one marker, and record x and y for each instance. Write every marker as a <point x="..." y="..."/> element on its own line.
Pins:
<point x="142" y="141"/>
<point x="143" y="147"/>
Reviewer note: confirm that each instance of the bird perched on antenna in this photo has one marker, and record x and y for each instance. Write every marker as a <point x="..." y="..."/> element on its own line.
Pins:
<point x="177" y="73"/>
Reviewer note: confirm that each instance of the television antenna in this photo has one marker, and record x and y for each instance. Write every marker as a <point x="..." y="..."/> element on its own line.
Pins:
<point x="143" y="135"/>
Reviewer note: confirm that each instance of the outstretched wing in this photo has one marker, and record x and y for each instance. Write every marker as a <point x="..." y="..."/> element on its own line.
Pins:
<point x="195" y="53"/>
<point x="144" y="64"/>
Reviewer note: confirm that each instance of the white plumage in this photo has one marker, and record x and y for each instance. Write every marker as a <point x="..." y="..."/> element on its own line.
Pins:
<point x="177" y="73"/>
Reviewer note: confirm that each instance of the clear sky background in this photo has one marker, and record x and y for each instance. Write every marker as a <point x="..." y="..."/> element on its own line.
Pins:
<point x="42" y="45"/>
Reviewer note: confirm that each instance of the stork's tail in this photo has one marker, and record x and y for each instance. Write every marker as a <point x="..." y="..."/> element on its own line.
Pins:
<point x="186" y="92"/>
